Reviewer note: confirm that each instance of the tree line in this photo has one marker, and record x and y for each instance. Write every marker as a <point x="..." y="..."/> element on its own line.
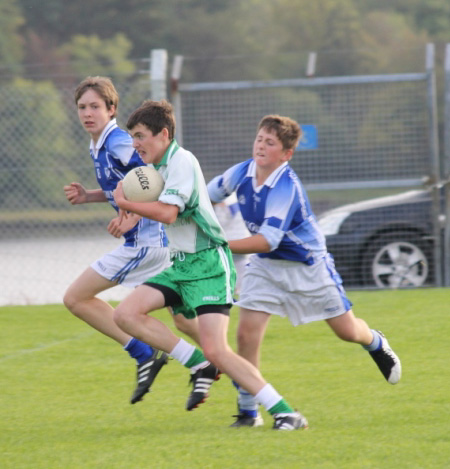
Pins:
<point x="219" y="38"/>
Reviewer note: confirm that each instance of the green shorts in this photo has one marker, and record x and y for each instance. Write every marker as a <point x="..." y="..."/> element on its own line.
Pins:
<point x="203" y="278"/>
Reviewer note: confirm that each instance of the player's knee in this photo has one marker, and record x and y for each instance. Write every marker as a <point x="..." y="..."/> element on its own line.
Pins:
<point x="70" y="302"/>
<point x="67" y="300"/>
<point x="243" y="337"/>
<point x="247" y="335"/>
<point x="120" y="317"/>
<point x="214" y="355"/>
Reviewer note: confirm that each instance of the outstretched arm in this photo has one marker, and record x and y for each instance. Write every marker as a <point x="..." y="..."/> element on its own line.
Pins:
<point x="253" y="244"/>
<point x="76" y="194"/>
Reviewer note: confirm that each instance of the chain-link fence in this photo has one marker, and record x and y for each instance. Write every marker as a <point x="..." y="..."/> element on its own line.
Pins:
<point x="365" y="138"/>
<point x="44" y="241"/>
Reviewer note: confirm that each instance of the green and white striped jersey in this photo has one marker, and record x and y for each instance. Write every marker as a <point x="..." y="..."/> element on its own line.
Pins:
<point x="196" y="227"/>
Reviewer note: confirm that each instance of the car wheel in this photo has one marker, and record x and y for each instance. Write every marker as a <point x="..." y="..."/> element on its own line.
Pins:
<point x="396" y="260"/>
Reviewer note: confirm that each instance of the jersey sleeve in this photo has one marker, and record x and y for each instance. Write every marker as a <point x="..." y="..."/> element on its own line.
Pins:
<point x="180" y="181"/>
<point x="281" y="206"/>
<point x="120" y="146"/>
<point x="225" y="184"/>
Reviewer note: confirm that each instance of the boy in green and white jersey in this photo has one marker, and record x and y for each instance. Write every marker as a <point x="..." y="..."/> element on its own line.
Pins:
<point x="196" y="227"/>
<point x="201" y="279"/>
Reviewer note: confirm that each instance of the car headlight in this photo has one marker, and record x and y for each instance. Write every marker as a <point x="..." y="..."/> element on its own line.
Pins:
<point x="331" y="223"/>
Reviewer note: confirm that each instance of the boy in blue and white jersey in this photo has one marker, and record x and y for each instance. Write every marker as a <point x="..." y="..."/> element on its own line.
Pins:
<point x="113" y="156"/>
<point x="279" y="210"/>
<point x="291" y="274"/>
<point x="144" y="252"/>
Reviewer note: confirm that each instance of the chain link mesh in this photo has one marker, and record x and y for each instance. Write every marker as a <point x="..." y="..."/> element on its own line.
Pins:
<point x="373" y="140"/>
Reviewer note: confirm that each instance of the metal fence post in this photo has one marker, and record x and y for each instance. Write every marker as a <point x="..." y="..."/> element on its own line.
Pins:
<point x="175" y="98"/>
<point x="158" y="74"/>
<point x="434" y="161"/>
<point x="446" y="166"/>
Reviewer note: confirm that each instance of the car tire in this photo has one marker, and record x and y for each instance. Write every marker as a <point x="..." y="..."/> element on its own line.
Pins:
<point x="397" y="260"/>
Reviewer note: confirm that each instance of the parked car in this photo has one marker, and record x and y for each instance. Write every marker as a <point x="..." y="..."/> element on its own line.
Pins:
<point x="385" y="242"/>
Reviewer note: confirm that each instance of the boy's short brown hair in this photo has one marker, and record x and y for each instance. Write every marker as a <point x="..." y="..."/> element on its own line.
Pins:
<point x="104" y="87"/>
<point x="155" y="115"/>
<point x="285" y="128"/>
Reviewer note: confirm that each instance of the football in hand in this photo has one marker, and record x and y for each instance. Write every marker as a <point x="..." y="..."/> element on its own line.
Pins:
<point x="142" y="184"/>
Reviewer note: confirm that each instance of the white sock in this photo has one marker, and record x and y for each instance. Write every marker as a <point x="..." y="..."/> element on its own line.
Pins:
<point x="268" y="397"/>
<point x="182" y="351"/>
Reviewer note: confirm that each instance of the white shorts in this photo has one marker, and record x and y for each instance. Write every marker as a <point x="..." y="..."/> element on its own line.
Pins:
<point x="240" y="262"/>
<point x="295" y="290"/>
<point x="130" y="267"/>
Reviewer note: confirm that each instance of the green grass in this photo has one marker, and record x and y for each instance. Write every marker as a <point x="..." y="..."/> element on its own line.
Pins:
<point x="65" y="391"/>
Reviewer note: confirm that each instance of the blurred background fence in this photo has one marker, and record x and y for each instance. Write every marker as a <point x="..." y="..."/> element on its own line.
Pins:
<point x="365" y="137"/>
<point x="44" y="241"/>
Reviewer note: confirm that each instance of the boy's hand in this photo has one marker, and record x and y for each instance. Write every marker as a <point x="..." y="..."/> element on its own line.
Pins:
<point x="120" y="199"/>
<point x="123" y="215"/>
<point x="118" y="194"/>
<point x="123" y="223"/>
<point x="75" y="193"/>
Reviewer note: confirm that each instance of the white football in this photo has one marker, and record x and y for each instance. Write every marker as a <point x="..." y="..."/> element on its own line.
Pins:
<point x="142" y="184"/>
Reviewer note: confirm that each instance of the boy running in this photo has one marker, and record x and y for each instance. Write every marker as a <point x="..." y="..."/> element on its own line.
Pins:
<point x="144" y="252"/>
<point x="202" y="276"/>
<point x="292" y="275"/>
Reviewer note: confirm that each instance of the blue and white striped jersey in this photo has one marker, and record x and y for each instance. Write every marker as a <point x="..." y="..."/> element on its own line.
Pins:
<point x="113" y="157"/>
<point x="279" y="210"/>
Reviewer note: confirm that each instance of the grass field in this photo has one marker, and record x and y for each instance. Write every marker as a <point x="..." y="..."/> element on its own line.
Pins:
<point x="65" y="392"/>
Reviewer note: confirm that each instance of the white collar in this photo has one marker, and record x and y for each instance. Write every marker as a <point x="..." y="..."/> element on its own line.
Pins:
<point x="270" y="181"/>
<point x="112" y="124"/>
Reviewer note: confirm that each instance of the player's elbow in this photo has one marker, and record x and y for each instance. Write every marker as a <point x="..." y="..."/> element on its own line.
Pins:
<point x="266" y="249"/>
<point x="264" y="245"/>
<point x="169" y="214"/>
<point x="168" y="219"/>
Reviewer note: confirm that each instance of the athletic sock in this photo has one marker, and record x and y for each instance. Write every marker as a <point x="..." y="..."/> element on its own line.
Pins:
<point x="138" y="350"/>
<point x="375" y="344"/>
<point x="272" y="401"/>
<point x="248" y="405"/>
<point x="188" y="355"/>
<point x="281" y="407"/>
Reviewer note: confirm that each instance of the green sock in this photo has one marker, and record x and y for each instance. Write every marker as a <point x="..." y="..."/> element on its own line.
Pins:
<point x="281" y="407"/>
<point x="196" y="358"/>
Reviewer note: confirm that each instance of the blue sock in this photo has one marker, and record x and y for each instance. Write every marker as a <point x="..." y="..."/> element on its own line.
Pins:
<point x="247" y="403"/>
<point x="376" y="342"/>
<point x="139" y="350"/>
<point x="250" y="413"/>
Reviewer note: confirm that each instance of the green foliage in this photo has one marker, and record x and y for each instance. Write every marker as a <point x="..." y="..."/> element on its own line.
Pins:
<point x="431" y="16"/>
<point x="229" y="40"/>
<point x="65" y="391"/>
<point x="35" y="121"/>
<point x="391" y="32"/>
<point x="281" y="30"/>
<point x="11" y="44"/>
<point x="434" y="17"/>
<point x="90" y="55"/>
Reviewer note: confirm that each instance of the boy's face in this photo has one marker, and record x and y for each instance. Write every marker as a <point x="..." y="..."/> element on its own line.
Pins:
<point x="151" y="148"/>
<point x="93" y="113"/>
<point x="268" y="152"/>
